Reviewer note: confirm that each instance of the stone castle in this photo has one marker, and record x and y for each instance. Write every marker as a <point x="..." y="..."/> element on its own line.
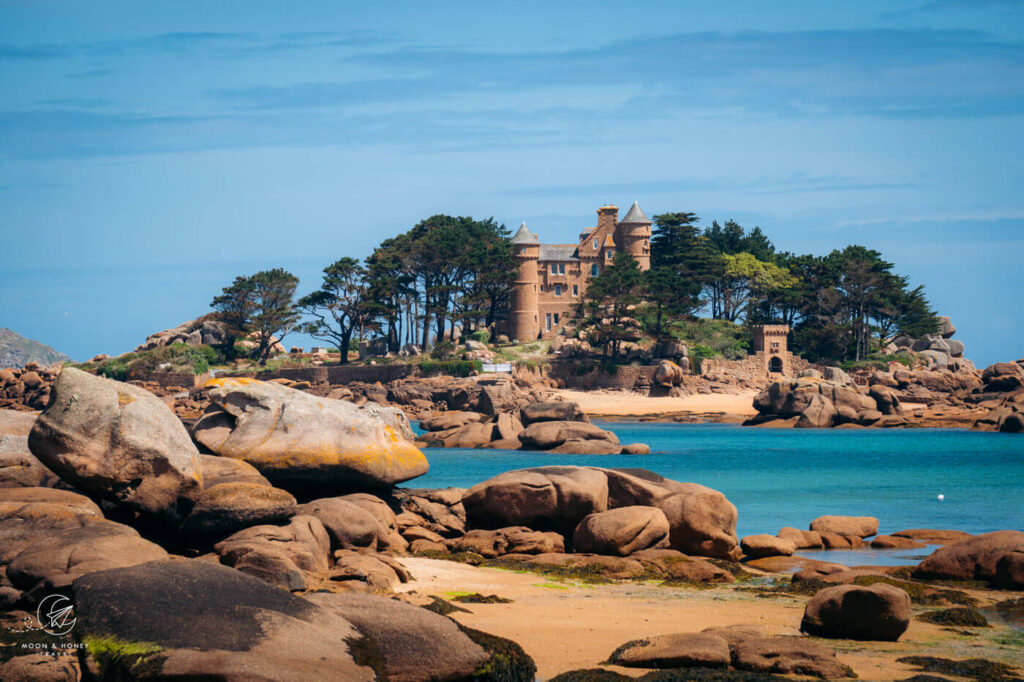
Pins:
<point x="551" y="278"/>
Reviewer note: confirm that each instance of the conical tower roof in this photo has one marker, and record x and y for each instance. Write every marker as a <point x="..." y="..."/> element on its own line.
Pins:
<point x="636" y="215"/>
<point x="524" y="236"/>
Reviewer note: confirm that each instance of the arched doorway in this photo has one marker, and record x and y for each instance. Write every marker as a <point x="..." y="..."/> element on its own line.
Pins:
<point x="775" y="364"/>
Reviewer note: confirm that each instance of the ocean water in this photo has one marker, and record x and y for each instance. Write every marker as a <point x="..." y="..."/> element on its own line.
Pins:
<point x="787" y="477"/>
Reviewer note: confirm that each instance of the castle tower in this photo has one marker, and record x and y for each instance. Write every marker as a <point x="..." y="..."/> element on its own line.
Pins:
<point x="607" y="217"/>
<point x="770" y="347"/>
<point x="633" y="236"/>
<point x="525" y="325"/>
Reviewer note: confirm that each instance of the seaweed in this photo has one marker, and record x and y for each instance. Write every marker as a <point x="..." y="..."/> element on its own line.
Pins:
<point x="508" y="662"/>
<point x="122" y="660"/>
<point x="922" y="595"/>
<point x="973" y="668"/>
<point x="477" y="598"/>
<point x="588" y="573"/>
<point x="443" y="608"/>
<point x="965" y="616"/>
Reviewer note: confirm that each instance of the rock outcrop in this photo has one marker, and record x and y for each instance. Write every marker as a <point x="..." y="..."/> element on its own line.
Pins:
<point x="701" y="520"/>
<point x="559" y="427"/>
<point x="119" y="442"/>
<point x="302" y="442"/>
<point x="975" y="558"/>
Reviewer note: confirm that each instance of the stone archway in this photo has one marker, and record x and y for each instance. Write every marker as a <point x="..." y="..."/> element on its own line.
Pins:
<point x="775" y="365"/>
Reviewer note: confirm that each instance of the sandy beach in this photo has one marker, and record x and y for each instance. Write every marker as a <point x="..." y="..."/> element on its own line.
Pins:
<point x="566" y="625"/>
<point x="624" y="404"/>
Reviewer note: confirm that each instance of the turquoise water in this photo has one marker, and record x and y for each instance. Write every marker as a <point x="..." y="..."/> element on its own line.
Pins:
<point x="788" y="477"/>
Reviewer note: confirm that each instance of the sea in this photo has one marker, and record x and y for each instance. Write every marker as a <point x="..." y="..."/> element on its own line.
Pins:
<point x="907" y="478"/>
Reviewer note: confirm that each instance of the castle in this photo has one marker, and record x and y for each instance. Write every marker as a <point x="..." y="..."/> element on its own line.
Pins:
<point x="551" y="278"/>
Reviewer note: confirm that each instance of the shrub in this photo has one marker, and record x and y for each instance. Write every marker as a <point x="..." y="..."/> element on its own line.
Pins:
<point x="442" y="350"/>
<point x="455" y="368"/>
<point x="481" y="335"/>
<point x="699" y="353"/>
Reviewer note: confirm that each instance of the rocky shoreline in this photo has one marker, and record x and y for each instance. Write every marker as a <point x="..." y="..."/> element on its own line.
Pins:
<point x="285" y="503"/>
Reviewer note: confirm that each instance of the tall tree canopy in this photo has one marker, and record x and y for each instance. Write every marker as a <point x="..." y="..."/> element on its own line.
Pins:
<point x="340" y="306"/>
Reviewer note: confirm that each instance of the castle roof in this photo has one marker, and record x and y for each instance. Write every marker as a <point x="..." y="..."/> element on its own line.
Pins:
<point x="524" y="236"/>
<point x="558" y="252"/>
<point x="636" y="215"/>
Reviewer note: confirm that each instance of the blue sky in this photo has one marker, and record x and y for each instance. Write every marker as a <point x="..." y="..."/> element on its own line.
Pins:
<point x="150" y="152"/>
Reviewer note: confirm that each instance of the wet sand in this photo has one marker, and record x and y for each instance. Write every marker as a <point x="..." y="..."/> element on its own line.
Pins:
<point x="566" y="625"/>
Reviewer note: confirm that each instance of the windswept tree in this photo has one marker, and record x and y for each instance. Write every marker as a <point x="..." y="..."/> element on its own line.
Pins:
<point x="340" y="306"/>
<point x="260" y="306"/>
<point x="606" y="310"/>
<point x="234" y="308"/>
<point x="273" y="313"/>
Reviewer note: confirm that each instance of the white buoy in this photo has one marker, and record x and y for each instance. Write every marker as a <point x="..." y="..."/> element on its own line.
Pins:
<point x="941" y="497"/>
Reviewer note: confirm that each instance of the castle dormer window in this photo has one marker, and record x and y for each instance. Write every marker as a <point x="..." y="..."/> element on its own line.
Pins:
<point x="595" y="243"/>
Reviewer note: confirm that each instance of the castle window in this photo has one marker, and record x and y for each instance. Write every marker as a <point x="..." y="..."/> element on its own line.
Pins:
<point x="594" y="270"/>
<point x="561" y="268"/>
<point x="575" y="290"/>
<point x="547" y="322"/>
<point x="608" y="255"/>
<point x="558" y="290"/>
<point x="595" y="243"/>
<point x="556" y="318"/>
<point x="554" y="269"/>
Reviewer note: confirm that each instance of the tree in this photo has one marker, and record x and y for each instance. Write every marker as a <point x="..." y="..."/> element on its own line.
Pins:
<point x="669" y="297"/>
<point x="607" y="302"/>
<point x="340" y="306"/>
<point x="234" y="307"/>
<point x="272" y="312"/>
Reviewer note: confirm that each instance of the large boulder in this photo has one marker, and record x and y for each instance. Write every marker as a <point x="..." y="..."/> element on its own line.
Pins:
<point x="14" y="423"/>
<point x="973" y="559"/>
<point x="52" y="561"/>
<point x="27" y="514"/>
<point x="876" y="612"/>
<point x="850" y="526"/>
<point x="668" y="374"/>
<point x="762" y="545"/>
<point x="217" y="470"/>
<point x="555" y="498"/>
<point x="1003" y="376"/>
<point x="227" y="507"/>
<point x="214" y="624"/>
<point x="552" y="412"/>
<point x="788" y="656"/>
<point x="411" y="643"/>
<point x="281" y="555"/>
<point x="820" y="413"/>
<point x="622" y="531"/>
<point x="117" y="441"/>
<point x="19" y="468"/>
<point x="298" y="440"/>
<point x="346" y="522"/>
<point x="679" y="650"/>
<point x="550" y="434"/>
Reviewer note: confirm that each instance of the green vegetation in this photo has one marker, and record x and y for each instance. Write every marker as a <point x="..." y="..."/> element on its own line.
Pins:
<point x="455" y="368"/>
<point x="177" y="357"/>
<point x="340" y="306"/>
<point x="120" y="659"/>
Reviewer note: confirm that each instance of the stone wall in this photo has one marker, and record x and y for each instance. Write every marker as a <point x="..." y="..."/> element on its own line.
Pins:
<point x="627" y="377"/>
<point x="341" y="374"/>
<point x="167" y="379"/>
<point x="752" y="367"/>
